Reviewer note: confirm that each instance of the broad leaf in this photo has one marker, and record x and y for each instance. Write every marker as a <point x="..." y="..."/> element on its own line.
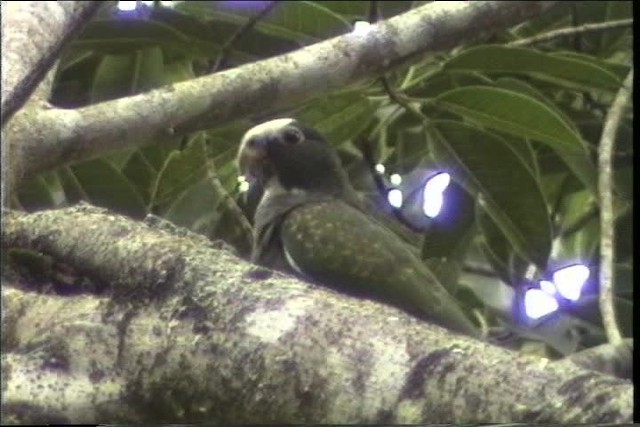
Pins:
<point x="486" y="165"/>
<point x="568" y="71"/>
<point x="523" y="116"/>
<point x="106" y="186"/>
<point x="181" y="170"/>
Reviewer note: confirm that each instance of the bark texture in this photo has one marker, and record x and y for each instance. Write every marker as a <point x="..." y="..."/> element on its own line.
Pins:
<point x="33" y="34"/>
<point x="178" y="330"/>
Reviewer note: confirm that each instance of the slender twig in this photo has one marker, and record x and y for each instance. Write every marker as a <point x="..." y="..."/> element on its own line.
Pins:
<point x="401" y="100"/>
<point x="605" y="190"/>
<point x="480" y="271"/>
<point x="226" y="48"/>
<point x="571" y="31"/>
<point x="365" y="145"/>
<point x="228" y="202"/>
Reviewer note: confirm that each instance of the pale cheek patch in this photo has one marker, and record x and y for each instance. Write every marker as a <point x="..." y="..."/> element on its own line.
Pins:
<point x="270" y="325"/>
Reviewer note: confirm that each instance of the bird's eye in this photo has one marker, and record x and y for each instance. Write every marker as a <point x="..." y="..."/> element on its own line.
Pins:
<point x="292" y="136"/>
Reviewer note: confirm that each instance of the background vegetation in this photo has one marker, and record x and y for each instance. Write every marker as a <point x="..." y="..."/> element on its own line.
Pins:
<point x="517" y="123"/>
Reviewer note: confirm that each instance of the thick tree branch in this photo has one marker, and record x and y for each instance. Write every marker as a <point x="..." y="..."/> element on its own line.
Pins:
<point x="33" y="34"/>
<point x="191" y="333"/>
<point x="46" y="139"/>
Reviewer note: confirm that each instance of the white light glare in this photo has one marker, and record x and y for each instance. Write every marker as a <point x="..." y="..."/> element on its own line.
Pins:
<point x="244" y="186"/>
<point x="394" y="197"/>
<point x="431" y="206"/>
<point x="432" y="198"/>
<point x="395" y="179"/>
<point x="241" y="179"/>
<point x="570" y="280"/>
<point x="548" y="287"/>
<point x="127" y="6"/>
<point x="538" y="303"/>
<point x="438" y="183"/>
<point x="380" y="168"/>
<point x="361" y="27"/>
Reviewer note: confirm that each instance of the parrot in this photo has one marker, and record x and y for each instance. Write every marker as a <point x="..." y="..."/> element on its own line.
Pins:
<point x="311" y="222"/>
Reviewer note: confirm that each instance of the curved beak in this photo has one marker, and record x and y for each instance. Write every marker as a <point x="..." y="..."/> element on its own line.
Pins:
<point x="252" y="158"/>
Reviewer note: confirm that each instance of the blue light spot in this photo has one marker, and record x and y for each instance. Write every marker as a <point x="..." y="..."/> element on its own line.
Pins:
<point x="433" y="199"/>
<point x="236" y="4"/>
<point x="570" y="280"/>
<point x="394" y="197"/>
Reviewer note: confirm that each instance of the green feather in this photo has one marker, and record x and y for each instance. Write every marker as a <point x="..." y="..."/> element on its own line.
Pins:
<point x="340" y="246"/>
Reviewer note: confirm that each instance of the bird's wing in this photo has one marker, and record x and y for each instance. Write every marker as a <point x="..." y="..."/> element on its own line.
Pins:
<point x="340" y="246"/>
<point x="268" y="219"/>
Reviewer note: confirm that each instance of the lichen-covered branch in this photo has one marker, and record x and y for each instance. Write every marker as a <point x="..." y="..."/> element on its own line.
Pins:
<point x="33" y="35"/>
<point x="45" y="139"/>
<point x="607" y="218"/>
<point x="189" y="333"/>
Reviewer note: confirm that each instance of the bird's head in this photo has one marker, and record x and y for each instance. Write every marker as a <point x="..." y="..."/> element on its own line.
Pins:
<point x="291" y="155"/>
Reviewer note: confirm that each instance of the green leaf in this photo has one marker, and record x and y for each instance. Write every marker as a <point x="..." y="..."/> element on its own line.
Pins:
<point x="195" y="207"/>
<point x="523" y="116"/>
<point x="72" y="188"/>
<point x="577" y="208"/>
<point x="619" y="70"/>
<point x="106" y="186"/>
<point x="156" y="154"/>
<point x="118" y="36"/>
<point x="339" y="117"/>
<point x="526" y="89"/>
<point x="436" y="83"/>
<point x="484" y="163"/>
<point x="512" y="112"/>
<point x="113" y="77"/>
<point x="352" y="10"/>
<point x="498" y="251"/>
<point x="125" y="74"/>
<point x="141" y="175"/>
<point x="301" y="21"/>
<point x="565" y="71"/>
<point x="181" y="170"/>
<point x="178" y="71"/>
<point x="35" y="194"/>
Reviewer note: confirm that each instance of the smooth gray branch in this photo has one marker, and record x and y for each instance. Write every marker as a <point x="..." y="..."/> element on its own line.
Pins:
<point x="46" y="139"/>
